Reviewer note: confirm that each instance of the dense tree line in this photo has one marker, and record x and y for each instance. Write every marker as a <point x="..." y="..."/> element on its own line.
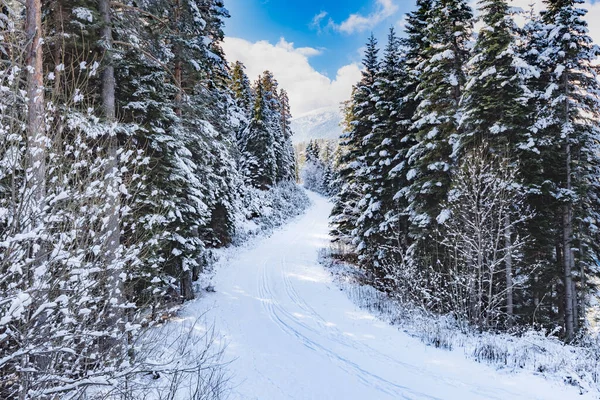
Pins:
<point x="317" y="165"/>
<point x="470" y="165"/>
<point x="128" y="147"/>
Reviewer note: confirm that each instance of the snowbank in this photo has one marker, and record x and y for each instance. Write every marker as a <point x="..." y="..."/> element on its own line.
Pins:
<point x="535" y="351"/>
<point x="266" y="210"/>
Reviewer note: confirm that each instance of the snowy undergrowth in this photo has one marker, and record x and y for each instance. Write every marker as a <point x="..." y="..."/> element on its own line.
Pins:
<point x="265" y="210"/>
<point x="184" y="357"/>
<point x="536" y="351"/>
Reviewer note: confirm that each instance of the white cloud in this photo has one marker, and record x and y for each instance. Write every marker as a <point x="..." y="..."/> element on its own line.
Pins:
<point x="358" y="22"/>
<point x="308" y="89"/>
<point x="316" y="21"/>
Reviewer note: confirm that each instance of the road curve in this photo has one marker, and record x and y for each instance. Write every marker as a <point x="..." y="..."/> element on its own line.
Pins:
<point x="291" y="334"/>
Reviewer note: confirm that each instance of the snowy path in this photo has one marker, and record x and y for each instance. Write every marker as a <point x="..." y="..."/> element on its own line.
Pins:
<point x="293" y="335"/>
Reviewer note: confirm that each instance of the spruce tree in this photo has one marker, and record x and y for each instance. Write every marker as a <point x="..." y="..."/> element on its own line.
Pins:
<point x="498" y="109"/>
<point x="358" y="151"/>
<point x="492" y="106"/>
<point x="380" y="224"/>
<point x="286" y="158"/>
<point x="570" y="116"/>
<point x="260" y="140"/>
<point x="241" y="87"/>
<point x="442" y="79"/>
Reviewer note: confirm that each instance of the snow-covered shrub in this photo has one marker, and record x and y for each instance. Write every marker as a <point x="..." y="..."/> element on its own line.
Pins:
<point x="312" y="176"/>
<point x="480" y="233"/>
<point x="265" y="210"/>
<point x="65" y="319"/>
<point x="182" y="359"/>
<point x="534" y="350"/>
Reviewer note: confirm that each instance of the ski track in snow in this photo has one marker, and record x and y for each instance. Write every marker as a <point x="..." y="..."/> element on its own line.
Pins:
<point x="292" y="334"/>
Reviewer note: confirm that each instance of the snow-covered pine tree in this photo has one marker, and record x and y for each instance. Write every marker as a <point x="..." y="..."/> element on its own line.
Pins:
<point x="492" y="107"/>
<point x="497" y="106"/>
<point x="442" y="79"/>
<point x="357" y="147"/>
<point x="260" y="139"/>
<point x="241" y="115"/>
<point x="312" y="151"/>
<point x="381" y="224"/>
<point x="313" y="171"/>
<point x="569" y="119"/>
<point x="414" y="46"/>
<point x="213" y="99"/>
<point x="330" y="174"/>
<point x="241" y="87"/>
<point x="538" y="270"/>
<point x="286" y="157"/>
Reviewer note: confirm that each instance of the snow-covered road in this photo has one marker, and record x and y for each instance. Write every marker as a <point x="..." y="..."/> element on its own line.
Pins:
<point x="291" y="334"/>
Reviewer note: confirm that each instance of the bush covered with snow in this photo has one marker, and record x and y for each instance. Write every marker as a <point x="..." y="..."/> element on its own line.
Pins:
<point x="265" y="210"/>
<point x="538" y="351"/>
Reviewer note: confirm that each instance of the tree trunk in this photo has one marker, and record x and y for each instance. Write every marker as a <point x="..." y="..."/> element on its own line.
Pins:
<point x="187" y="288"/>
<point x="568" y="229"/>
<point x="35" y="164"/>
<point x="178" y="65"/>
<point x="113" y="228"/>
<point x="108" y="108"/>
<point x="508" y="261"/>
<point x="583" y="286"/>
<point x="568" y="278"/>
<point x="36" y="127"/>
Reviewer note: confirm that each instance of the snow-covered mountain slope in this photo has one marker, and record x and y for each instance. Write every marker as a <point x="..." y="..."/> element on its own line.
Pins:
<point x="323" y="123"/>
<point x="292" y="334"/>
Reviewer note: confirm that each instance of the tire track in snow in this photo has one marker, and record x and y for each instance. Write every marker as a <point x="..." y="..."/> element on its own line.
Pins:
<point x="335" y="335"/>
<point x="277" y="314"/>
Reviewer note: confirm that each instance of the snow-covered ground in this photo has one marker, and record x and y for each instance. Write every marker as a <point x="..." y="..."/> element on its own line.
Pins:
<point x="292" y="334"/>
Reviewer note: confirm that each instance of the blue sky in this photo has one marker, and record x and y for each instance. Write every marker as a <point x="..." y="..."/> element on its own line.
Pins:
<point x="270" y="20"/>
<point x="314" y="47"/>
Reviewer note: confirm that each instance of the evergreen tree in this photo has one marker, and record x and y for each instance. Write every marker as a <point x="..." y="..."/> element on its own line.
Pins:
<point x="286" y="158"/>
<point x="442" y="80"/>
<point x="415" y="45"/>
<point x="570" y="121"/>
<point x="241" y="87"/>
<point x="493" y="111"/>
<point x="260" y="139"/>
<point x="380" y="224"/>
<point x="358" y="150"/>
<point x="498" y="108"/>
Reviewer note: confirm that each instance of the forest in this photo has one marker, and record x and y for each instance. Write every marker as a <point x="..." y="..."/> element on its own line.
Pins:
<point x="469" y="170"/>
<point x="466" y="185"/>
<point x="129" y="148"/>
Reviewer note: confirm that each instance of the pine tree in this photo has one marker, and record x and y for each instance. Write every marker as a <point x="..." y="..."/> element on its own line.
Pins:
<point x="380" y="225"/>
<point x="497" y="107"/>
<point x="260" y="142"/>
<point x="358" y="150"/>
<point x="415" y="45"/>
<point x="241" y="87"/>
<point x="286" y="158"/>
<point x="570" y="121"/>
<point x="442" y="81"/>
<point x="492" y="107"/>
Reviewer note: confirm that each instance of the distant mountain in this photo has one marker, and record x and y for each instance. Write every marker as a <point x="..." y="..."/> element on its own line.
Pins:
<point x="323" y="123"/>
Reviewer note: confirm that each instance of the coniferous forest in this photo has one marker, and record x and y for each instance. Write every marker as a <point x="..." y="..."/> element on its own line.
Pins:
<point x="128" y="149"/>
<point x="469" y="167"/>
<point x="136" y="161"/>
